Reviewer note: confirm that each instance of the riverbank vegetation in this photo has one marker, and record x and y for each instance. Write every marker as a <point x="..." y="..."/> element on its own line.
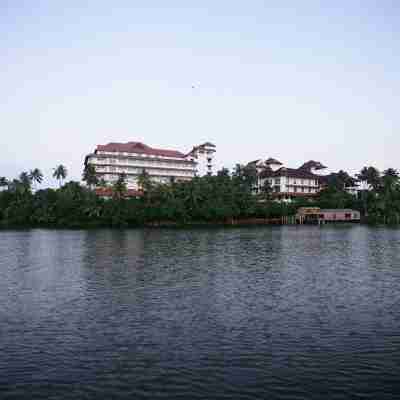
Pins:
<point x="211" y="199"/>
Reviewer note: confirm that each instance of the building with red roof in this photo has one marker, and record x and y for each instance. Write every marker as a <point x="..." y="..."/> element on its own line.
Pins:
<point x="162" y="165"/>
<point x="287" y="183"/>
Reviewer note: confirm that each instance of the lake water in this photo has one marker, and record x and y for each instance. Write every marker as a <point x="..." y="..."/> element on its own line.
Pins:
<point x="261" y="313"/>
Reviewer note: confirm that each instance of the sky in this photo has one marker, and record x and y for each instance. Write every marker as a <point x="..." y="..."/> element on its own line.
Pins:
<point x="294" y="80"/>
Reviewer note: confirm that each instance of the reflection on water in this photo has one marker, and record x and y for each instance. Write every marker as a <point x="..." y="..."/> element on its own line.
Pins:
<point x="292" y="312"/>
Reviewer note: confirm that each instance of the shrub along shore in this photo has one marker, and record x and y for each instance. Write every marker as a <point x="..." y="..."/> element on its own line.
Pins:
<point x="223" y="199"/>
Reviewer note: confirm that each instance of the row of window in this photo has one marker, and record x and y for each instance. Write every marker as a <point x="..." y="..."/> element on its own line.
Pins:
<point x="131" y="170"/>
<point x="143" y="163"/>
<point x="112" y="177"/>
<point x="277" y="181"/>
<point x="296" y="190"/>
<point x="303" y="190"/>
<point x="334" y="216"/>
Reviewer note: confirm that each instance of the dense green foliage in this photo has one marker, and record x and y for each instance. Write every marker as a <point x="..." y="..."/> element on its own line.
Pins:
<point x="378" y="197"/>
<point x="209" y="199"/>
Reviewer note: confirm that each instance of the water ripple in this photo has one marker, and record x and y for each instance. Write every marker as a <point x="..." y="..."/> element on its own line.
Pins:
<point x="269" y="313"/>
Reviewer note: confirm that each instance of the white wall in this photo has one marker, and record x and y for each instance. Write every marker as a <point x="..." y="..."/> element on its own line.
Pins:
<point x="160" y="169"/>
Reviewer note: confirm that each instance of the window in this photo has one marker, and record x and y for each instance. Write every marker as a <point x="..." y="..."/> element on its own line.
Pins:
<point x="277" y="181"/>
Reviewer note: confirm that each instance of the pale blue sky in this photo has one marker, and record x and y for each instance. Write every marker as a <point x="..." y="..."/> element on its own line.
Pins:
<point x="295" y="80"/>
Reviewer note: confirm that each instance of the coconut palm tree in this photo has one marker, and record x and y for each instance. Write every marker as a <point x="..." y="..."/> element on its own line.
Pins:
<point x="370" y="178"/>
<point x="25" y="180"/>
<point x="362" y="176"/>
<point x="389" y="191"/>
<point x="391" y="176"/>
<point x="144" y="181"/>
<point x="89" y="175"/>
<point x="373" y="177"/>
<point x="119" y="188"/>
<point x="267" y="190"/>
<point x="60" y="173"/>
<point x="36" y="176"/>
<point x="3" y="181"/>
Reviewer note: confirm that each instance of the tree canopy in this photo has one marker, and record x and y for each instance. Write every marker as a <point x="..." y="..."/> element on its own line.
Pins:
<point x="209" y="199"/>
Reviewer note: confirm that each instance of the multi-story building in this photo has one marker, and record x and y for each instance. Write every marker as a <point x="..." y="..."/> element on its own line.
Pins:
<point x="204" y="157"/>
<point x="162" y="166"/>
<point x="287" y="183"/>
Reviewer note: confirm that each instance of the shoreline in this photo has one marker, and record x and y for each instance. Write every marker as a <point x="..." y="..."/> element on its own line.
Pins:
<point x="189" y="225"/>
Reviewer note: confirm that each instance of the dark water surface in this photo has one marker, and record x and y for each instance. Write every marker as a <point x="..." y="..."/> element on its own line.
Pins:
<point x="263" y="313"/>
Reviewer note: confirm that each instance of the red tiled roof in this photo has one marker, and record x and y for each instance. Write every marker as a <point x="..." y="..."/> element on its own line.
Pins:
<point x="273" y="161"/>
<point x="288" y="172"/>
<point x="108" y="192"/>
<point x="200" y="148"/>
<point x="140" y="148"/>
<point x="312" y="164"/>
<point x="252" y="164"/>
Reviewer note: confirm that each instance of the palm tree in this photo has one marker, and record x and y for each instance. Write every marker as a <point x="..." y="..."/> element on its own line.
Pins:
<point x="144" y="181"/>
<point x="391" y="176"/>
<point x="389" y="190"/>
<point x="25" y="180"/>
<point x="119" y="188"/>
<point x="89" y="175"/>
<point x="370" y="177"/>
<point x="267" y="189"/>
<point x="373" y="177"/>
<point x="363" y="176"/>
<point x="60" y="173"/>
<point x="36" y="176"/>
<point x="3" y="181"/>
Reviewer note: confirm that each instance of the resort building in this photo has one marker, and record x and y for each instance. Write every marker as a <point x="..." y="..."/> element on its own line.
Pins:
<point x="286" y="183"/>
<point x="162" y="166"/>
<point x="203" y="155"/>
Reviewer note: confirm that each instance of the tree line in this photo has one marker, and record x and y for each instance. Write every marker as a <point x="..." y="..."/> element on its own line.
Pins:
<point x="209" y="199"/>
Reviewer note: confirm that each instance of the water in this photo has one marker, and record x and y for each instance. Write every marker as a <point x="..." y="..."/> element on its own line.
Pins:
<point x="263" y="313"/>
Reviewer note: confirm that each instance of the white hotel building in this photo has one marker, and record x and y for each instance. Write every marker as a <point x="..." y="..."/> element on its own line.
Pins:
<point x="287" y="183"/>
<point x="163" y="166"/>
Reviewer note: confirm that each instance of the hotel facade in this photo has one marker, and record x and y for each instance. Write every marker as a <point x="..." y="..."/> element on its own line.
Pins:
<point x="163" y="166"/>
<point x="287" y="183"/>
